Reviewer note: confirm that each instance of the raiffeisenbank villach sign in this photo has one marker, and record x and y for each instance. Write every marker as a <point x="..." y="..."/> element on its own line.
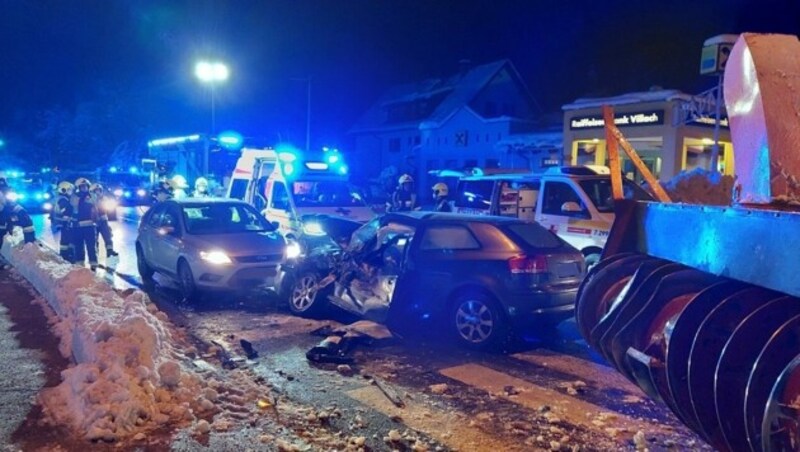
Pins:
<point x="642" y="118"/>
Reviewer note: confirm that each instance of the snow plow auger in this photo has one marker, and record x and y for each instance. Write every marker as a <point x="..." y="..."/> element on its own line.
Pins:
<point x="699" y="305"/>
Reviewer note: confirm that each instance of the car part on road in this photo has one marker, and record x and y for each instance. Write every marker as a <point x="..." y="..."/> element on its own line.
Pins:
<point x="333" y="349"/>
<point x="700" y="305"/>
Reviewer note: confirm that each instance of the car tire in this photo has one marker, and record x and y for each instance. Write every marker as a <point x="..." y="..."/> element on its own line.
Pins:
<point x="591" y="258"/>
<point x="186" y="282"/>
<point x="305" y="299"/>
<point x="477" y="322"/>
<point x="145" y="271"/>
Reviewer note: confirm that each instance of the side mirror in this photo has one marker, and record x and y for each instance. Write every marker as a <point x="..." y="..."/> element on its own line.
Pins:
<point x="571" y="207"/>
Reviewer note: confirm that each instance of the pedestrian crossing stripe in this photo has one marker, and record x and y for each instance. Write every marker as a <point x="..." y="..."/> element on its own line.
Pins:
<point x="597" y="374"/>
<point x="570" y="409"/>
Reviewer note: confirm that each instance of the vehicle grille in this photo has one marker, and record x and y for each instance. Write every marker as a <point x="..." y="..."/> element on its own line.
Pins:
<point x="262" y="258"/>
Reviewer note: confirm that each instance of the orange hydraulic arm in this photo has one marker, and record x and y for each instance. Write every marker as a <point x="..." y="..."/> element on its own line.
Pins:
<point x="615" y="138"/>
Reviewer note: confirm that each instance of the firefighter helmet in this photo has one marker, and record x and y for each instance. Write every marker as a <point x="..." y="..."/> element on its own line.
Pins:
<point x="96" y="187"/>
<point x="405" y="179"/>
<point x="65" y="188"/>
<point x="82" y="181"/>
<point x="179" y="182"/>
<point x="201" y="181"/>
<point x="440" y="189"/>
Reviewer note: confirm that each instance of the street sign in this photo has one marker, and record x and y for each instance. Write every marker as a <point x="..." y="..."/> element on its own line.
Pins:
<point x="715" y="54"/>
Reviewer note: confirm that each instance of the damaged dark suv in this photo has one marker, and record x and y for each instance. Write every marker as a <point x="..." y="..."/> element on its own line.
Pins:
<point x="478" y="276"/>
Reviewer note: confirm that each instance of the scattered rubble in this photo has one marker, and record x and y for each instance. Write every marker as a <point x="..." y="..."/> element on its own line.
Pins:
<point x="440" y="388"/>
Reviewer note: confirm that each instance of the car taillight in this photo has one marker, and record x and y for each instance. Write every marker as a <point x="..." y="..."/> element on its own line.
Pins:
<point x="527" y="264"/>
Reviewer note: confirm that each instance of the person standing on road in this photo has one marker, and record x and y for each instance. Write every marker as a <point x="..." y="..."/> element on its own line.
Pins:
<point x="14" y="215"/>
<point x="201" y="188"/>
<point x="404" y="199"/>
<point x="63" y="217"/>
<point x="440" y="192"/>
<point x="85" y="232"/>
<point x="103" y="212"/>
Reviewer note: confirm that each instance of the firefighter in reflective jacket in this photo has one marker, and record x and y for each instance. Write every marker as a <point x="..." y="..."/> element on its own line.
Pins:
<point x="85" y="216"/>
<point x="201" y="188"/>
<point x="14" y="215"/>
<point x="440" y="192"/>
<point x="63" y="217"/>
<point x="404" y="199"/>
<point x="103" y="228"/>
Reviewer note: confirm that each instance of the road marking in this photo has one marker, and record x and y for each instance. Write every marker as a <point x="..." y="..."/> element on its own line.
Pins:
<point x="564" y="407"/>
<point x="585" y="370"/>
<point x="449" y="428"/>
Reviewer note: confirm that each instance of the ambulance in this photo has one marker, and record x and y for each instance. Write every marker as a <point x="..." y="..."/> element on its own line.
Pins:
<point x="574" y="202"/>
<point x="290" y="188"/>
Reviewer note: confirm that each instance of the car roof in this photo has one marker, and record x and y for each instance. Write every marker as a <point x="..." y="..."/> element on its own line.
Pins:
<point x="420" y="217"/>
<point x="196" y="201"/>
<point x="510" y="176"/>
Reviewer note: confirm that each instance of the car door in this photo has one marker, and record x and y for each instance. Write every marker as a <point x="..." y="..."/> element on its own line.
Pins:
<point x="440" y="254"/>
<point x="563" y="211"/>
<point x="279" y="207"/>
<point x="168" y="248"/>
<point x="148" y="230"/>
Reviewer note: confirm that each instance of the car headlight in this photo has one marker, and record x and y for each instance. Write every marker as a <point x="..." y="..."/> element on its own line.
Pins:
<point x="118" y="192"/>
<point x="47" y="206"/>
<point x="293" y="250"/>
<point x="109" y="205"/>
<point x="47" y="195"/>
<point x="141" y="192"/>
<point x="215" y="257"/>
<point x="313" y="228"/>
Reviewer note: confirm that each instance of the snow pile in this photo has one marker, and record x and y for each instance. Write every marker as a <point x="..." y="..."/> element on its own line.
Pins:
<point x="700" y="186"/>
<point x="128" y="377"/>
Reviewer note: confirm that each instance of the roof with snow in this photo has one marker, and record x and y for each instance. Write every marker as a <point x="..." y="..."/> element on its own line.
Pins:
<point x="431" y="101"/>
<point x="660" y="95"/>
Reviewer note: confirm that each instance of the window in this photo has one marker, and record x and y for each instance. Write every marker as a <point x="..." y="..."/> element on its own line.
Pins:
<point x="556" y="194"/>
<point x="154" y="220"/>
<point x="599" y="193"/>
<point x="534" y="235"/>
<point x="238" y="188"/>
<point x="325" y="194"/>
<point x="448" y="238"/>
<point x="280" y="198"/>
<point x="394" y="145"/>
<point x="171" y="217"/>
<point x="475" y="194"/>
<point x="223" y="219"/>
<point x="417" y="140"/>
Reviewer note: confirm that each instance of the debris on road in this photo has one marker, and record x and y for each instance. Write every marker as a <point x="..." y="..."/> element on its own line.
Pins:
<point x="332" y="349"/>
<point x="248" y="349"/>
<point x="345" y="370"/>
<point x="387" y="390"/>
<point x="440" y="388"/>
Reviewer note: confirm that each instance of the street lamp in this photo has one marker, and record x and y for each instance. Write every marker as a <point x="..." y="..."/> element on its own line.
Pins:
<point x="211" y="72"/>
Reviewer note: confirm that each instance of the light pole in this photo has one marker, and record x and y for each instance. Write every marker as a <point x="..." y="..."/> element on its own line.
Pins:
<point x="211" y="72"/>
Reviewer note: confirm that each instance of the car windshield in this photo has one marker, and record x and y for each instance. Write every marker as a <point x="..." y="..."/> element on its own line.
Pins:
<point x="475" y="194"/>
<point x="325" y="194"/>
<point x="223" y="219"/>
<point x="599" y="192"/>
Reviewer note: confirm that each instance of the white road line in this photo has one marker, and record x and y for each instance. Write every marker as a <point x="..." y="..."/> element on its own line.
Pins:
<point x="564" y="407"/>
<point x="585" y="370"/>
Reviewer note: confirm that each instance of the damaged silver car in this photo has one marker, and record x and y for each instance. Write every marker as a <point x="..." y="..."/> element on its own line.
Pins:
<point x="480" y="277"/>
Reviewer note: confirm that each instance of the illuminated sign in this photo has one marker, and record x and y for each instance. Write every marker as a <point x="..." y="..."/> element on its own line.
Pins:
<point x="171" y="141"/>
<point x="646" y="118"/>
<point x="708" y="121"/>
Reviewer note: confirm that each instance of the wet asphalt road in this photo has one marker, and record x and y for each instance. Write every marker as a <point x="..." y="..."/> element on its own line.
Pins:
<point x="546" y="392"/>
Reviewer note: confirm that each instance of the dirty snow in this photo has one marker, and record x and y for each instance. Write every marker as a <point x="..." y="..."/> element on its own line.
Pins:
<point x="701" y="186"/>
<point x="127" y="377"/>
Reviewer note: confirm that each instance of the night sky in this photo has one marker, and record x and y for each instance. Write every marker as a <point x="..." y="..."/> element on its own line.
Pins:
<point x="62" y="52"/>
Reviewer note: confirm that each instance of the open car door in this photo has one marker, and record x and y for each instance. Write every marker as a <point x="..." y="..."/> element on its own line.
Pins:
<point x="368" y="278"/>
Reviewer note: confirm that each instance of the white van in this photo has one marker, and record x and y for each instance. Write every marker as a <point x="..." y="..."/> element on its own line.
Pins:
<point x="573" y="202"/>
<point x="288" y="188"/>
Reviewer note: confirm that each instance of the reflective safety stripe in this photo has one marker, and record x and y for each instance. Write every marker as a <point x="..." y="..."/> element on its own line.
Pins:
<point x="28" y="229"/>
<point x="86" y="223"/>
<point x="64" y="247"/>
<point x="103" y="218"/>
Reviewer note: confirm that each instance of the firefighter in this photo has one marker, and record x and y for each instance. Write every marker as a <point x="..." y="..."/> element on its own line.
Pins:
<point x="103" y="227"/>
<point x="179" y="186"/>
<point x="440" y="192"/>
<point x="85" y="233"/>
<point x="162" y="192"/>
<point x="404" y="199"/>
<point x="63" y="217"/>
<point x="14" y="215"/>
<point x="201" y="188"/>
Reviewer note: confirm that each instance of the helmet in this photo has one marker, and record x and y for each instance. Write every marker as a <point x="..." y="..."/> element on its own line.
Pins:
<point x="82" y="181"/>
<point x="440" y="189"/>
<point x="96" y="187"/>
<point x="201" y="181"/>
<point x="179" y="181"/>
<point x="65" y="188"/>
<point x="165" y="186"/>
<point x="405" y="178"/>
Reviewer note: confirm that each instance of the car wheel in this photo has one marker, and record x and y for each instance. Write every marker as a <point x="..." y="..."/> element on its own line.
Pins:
<point x="145" y="271"/>
<point x="477" y="321"/>
<point x="591" y="260"/>
<point x="304" y="295"/>
<point x="186" y="281"/>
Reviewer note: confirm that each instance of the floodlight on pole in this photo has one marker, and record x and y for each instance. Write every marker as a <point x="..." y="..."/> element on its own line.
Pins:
<point x="211" y="72"/>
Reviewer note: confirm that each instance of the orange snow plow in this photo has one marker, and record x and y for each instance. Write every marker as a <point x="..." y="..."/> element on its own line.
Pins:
<point x="698" y="305"/>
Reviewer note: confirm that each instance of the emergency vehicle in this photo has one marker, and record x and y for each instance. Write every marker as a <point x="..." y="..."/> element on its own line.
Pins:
<point x="573" y="202"/>
<point x="290" y="187"/>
